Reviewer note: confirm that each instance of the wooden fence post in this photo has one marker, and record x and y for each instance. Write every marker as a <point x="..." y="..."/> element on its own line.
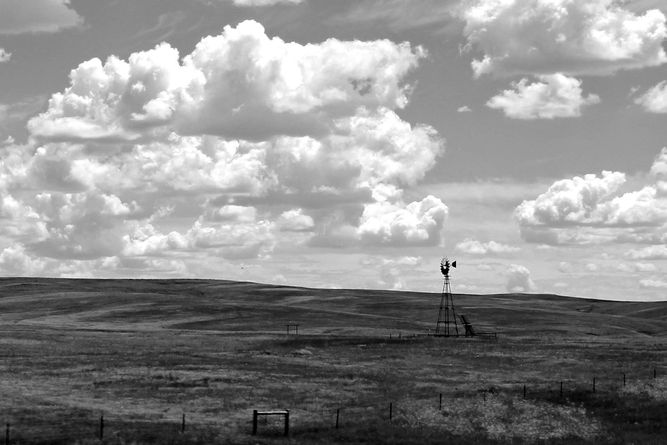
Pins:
<point x="561" y="389"/>
<point x="286" y="422"/>
<point x="593" y="384"/>
<point x="623" y="379"/>
<point x="183" y="424"/>
<point x="524" y="391"/>
<point x="655" y="373"/>
<point x="440" y="404"/>
<point x="337" y="417"/>
<point x="254" y="422"/>
<point x="7" y="434"/>
<point x="101" y="426"/>
<point x="391" y="408"/>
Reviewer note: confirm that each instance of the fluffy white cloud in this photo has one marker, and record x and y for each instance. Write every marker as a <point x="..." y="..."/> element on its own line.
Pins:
<point x="4" y="55"/>
<point x="554" y="96"/>
<point x="14" y="261"/>
<point x="233" y="241"/>
<point x="657" y="252"/>
<point x="645" y="267"/>
<point x="146" y="240"/>
<point x="265" y="2"/>
<point x="568" y="36"/>
<point x="589" y="200"/>
<point x="19" y="16"/>
<point x="655" y="99"/>
<point x="159" y="161"/>
<point x="593" y="209"/>
<point x="572" y="201"/>
<point x="239" y="84"/>
<point x="80" y="225"/>
<point x="233" y="213"/>
<point x="295" y="220"/>
<point x="518" y="279"/>
<point x="475" y="247"/>
<point x="417" y="223"/>
<point x="653" y="284"/>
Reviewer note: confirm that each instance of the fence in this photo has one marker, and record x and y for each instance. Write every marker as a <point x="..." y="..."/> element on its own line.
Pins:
<point x="102" y="428"/>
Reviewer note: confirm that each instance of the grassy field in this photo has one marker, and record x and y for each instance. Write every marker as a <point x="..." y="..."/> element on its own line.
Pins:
<point x="142" y="353"/>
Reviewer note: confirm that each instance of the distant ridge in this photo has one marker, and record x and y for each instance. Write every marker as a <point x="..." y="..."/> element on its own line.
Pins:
<point x="232" y="306"/>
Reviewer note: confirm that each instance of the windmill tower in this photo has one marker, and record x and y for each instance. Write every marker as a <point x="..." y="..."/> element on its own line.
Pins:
<point x="447" y="326"/>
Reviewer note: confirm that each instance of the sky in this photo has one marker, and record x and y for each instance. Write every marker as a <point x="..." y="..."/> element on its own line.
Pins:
<point x="340" y="144"/>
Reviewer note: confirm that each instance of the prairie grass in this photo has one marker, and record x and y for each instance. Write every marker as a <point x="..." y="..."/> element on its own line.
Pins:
<point x="142" y="353"/>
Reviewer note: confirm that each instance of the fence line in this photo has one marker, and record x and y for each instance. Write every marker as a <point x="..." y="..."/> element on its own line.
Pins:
<point x="12" y="430"/>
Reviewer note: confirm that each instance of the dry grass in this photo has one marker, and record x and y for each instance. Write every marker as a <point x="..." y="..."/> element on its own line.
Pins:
<point x="142" y="353"/>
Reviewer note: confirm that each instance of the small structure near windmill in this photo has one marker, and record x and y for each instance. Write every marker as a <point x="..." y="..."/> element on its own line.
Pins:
<point x="470" y="331"/>
<point x="447" y="324"/>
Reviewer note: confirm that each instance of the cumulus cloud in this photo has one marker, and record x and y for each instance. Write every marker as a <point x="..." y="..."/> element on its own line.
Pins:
<point x="233" y="213"/>
<point x="231" y="240"/>
<point x="595" y="202"/>
<point x="295" y="220"/>
<point x="145" y="240"/>
<point x="161" y="160"/>
<point x="554" y="96"/>
<point x="653" y="284"/>
<point x="14" y="261"/>
<point x="657" y="252"/>
<point x="5" y="56"/>
<point x="464" y="109"/>
<point x="417" y="223"/>
<point x="80" y="225"/>
<point x="518" y="279"/>
<point x="591" y="208"/>
<point x="571" y="37"/>
<point x="475" y="247"/>
<point x="655" y="99"/>
<point x="19" y="16"/>
<point x="239" y="84"/>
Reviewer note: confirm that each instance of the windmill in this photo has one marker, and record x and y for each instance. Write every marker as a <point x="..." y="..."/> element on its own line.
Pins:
<point x="446" y="314"/>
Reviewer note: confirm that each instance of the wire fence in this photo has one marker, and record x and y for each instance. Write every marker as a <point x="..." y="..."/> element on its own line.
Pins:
<point x="80" y="427"/>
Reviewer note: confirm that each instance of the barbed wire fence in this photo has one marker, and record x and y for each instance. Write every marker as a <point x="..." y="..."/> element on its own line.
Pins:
<point x="81" y="427"/>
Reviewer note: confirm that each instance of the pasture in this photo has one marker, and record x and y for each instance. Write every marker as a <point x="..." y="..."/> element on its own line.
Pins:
<point x="143" y="353"/>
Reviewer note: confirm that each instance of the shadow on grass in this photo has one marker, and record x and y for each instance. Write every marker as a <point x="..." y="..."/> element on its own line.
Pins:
<point x="626" y="418"/>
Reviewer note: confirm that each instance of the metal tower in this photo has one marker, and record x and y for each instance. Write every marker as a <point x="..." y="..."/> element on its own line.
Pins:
<point x="446" y="314"/>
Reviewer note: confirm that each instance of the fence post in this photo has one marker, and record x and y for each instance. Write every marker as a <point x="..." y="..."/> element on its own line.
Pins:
<point x="593" y="384"/>
<point x="440" y="403"/>
<point x="7" y="434"/>
<point x="337" y="417"/>
<point x="524" y="391"/>
<point x="183" y="424"/>
<point x="101" y="426"/>
<point x="623" y="379"/>
<point x="655" y="373"/>
<point x="391" y="408"/>
<point x="561" y="389"/>
<point x="286" y="422"/>
<point x="254" y="422"/>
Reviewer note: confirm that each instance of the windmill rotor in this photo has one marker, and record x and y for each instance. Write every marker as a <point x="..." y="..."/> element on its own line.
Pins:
<point x="445" y="266"/>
